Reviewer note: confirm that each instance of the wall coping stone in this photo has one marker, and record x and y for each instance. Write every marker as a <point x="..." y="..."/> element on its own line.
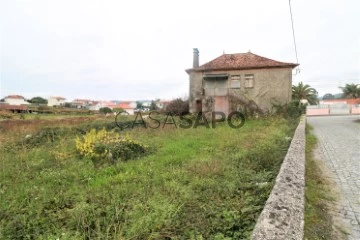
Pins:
<point x="283" y="213"/>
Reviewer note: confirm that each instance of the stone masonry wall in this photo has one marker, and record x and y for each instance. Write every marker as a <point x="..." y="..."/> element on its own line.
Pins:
<point x="270" y="85"/>
<point x="283" y="215"/>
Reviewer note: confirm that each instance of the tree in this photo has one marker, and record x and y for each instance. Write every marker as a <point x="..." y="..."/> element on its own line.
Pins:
<point x="178" y="106"/>
<point x="351" y="90"/>
<point x="153" y="106"/>
<point x="105" y="110"/>
<point x="302" y="91"/>
<point x="139" y="105"/>
<point x="67" y="105"/>
<point x="328" y="96"/>
<point x="38" y="100"/>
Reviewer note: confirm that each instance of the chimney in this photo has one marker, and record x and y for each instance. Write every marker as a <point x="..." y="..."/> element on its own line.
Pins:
<point x="196" y="58"/>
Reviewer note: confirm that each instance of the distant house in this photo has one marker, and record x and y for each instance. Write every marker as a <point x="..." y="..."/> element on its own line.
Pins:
<point x="81" y="103"/>
<point x="56" y="101"/>
<point x="146" y="104"/>
<point x="232" y="81"/>
<point x="162" y="104"/>
<point x="96" y="105"/>
<point x="126" y="106"/>
<point x="15" y="100"/>
<point x="131" y="104"/>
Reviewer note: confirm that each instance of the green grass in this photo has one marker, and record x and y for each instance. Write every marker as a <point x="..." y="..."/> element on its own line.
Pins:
<point x="319" y="223"/>
<point x="197" y="184"/>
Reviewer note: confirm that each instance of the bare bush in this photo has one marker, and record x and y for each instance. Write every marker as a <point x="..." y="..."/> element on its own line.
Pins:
<point x="178" y="106"/>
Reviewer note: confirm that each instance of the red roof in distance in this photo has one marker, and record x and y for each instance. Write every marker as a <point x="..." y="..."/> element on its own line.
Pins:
<point x="123" y="106"/>
<point x="15" y="97"/>
<point x="58" y="98"/>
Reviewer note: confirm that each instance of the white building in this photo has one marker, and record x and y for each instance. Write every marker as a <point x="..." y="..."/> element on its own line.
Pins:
<point x="56" y="101"/>
<point x="96" y="105"/>
<point x="15" y="100"/>
<point x="126" y="106"/>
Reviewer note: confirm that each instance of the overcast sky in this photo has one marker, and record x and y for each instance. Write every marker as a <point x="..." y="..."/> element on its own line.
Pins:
<point x="131" y="50"/>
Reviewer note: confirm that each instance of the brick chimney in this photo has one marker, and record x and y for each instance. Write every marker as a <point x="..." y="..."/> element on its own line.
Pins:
<point x="196" y="58"/>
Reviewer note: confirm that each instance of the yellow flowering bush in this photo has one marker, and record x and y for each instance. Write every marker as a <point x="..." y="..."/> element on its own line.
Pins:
<point x="85" y="145"/>
<point x="104" y="146"/>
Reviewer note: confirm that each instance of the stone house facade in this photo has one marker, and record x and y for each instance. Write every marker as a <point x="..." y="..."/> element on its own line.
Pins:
<point x="242" y="81"/>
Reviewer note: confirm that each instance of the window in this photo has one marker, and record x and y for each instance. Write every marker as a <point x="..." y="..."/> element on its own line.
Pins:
<point x="249" y="80"/>
<point x="235" y="81"/>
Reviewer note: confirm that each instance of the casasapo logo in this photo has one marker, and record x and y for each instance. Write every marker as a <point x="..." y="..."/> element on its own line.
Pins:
<point x="155" y="120"/>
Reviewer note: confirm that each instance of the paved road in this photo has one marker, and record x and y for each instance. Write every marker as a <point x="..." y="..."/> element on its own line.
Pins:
<point x="339" y="147"/>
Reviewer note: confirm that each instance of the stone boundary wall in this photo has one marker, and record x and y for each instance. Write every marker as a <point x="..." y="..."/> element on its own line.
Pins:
<point x="283" y="214"/>
<point x="329" y="109"/>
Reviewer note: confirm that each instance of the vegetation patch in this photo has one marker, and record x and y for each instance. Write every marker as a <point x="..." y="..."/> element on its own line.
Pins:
<point x="319" y="223"/>
<point x="200" y="183"/>
<point x="108" y="147"/>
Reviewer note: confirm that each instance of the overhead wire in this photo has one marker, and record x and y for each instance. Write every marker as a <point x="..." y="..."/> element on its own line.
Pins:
<point x="293" y="32"/>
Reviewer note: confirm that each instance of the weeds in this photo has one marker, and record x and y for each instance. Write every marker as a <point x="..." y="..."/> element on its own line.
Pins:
<point x="199" y="184"/>
<point x="319" y="223"/>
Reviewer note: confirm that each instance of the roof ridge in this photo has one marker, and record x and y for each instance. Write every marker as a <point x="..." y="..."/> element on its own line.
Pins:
<point x="240" y="61"/>
<point x="271" y="59"/>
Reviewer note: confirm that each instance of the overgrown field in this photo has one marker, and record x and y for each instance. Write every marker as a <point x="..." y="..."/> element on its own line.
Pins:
<point x="193" y="183"/>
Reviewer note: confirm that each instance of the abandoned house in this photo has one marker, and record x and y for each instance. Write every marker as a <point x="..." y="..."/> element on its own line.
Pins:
<point x="242" y="81"/>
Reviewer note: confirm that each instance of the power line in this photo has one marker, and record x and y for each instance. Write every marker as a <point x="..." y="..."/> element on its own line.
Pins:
<point x="293" y="31"/>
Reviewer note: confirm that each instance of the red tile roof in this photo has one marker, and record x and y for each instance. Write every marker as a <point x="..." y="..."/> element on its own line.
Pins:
<point x="15" y="97"/>
<point x="81" y="100"/>
<point x="58" y="98"/>
<point x="240" y="61"/>
<point x="123" y="106"/>
<point x="105" y="103"/>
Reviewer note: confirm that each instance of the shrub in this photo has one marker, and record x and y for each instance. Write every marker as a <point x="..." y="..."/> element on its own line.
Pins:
<point x="153" y="106"/>
<point x="178" y="106"/>
<point x="6" y="114"/>
<point x="54" y="134"/>
<point x="293" y="109"/>
<point x="108" y="147"/>
<point x="47" y="134"/>
<point x="105" y="110"/>
<point x="38" y="100"/>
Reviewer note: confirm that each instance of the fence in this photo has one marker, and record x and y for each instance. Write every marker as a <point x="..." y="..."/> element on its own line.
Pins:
<point x="333" y="109"/>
